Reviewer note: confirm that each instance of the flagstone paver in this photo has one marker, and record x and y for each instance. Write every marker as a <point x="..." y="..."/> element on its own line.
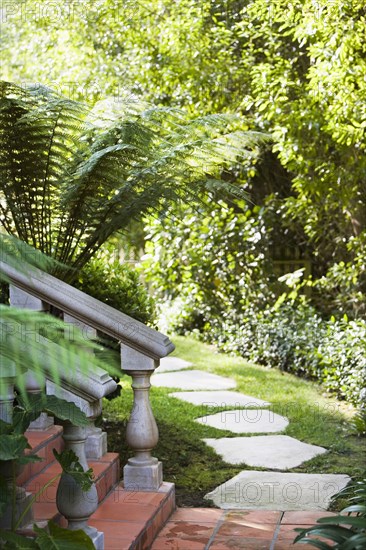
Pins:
<point x="246" y="421"/>
<point x="250" y="490"/>
<point x="211" y="399"/>
<point x="170" y="364"/>
<point x="278" y="491"/>
<point x="192" y="380"/>
<point x="278" y="452"/>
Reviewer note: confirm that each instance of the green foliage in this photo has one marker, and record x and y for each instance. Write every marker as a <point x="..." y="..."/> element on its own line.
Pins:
<point x="208" y="264"/>
<point x="73" y="178"/>
<point x="123" y="47"/>
<point x="54" y="537"/>
<point x="348" y="530"/>
<point x="342" y="354"/>
<point x="212" y="277"/>
<point x="343" y="288"/>
<point x="117" y="285"/>
<point x="359" y="422"/>
<point x="295" y="338"/>
<point x="296" y="70"/>
<point x="70" y="465"/>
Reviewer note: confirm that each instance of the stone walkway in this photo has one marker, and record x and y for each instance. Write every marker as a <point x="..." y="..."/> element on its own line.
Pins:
<point x="272" y="490"/>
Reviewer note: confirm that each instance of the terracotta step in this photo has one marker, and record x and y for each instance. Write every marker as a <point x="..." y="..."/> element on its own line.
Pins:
<point x="106" y="472"/>
<point x="130" y="520"/>
<point x="42" y="443"/>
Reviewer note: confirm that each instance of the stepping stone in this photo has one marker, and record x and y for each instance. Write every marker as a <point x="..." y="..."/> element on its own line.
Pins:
<point x="192" y="380"/>
<point x="170" y="364"/>
<point x="278" y="452"/>
<point x="252" y="490"/>
<point x="246" y="421"/>
<point x="211" y="399"/>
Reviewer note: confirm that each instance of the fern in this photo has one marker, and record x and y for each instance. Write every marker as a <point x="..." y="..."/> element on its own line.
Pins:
<point x="72" y="178"/>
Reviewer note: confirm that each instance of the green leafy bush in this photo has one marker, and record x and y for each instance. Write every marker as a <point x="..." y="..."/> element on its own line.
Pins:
<point x="342" y="354"/>
<point x="207" y="263"/>
<point x="294" y="338"/>
<point x="212" y="275"/>
<point x="117" y="285"/>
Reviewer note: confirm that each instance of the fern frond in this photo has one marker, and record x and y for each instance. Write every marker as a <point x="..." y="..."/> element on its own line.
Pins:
<point x="71" y="178"/>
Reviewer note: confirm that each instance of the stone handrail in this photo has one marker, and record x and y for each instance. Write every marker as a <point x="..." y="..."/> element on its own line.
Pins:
<point x="90" y="311"/>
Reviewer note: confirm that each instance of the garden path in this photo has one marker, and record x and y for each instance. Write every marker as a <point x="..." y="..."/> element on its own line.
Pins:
<point x="273" y="489"/>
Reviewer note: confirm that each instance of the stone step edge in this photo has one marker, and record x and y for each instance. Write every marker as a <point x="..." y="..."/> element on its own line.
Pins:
<point x="157" y="521"/>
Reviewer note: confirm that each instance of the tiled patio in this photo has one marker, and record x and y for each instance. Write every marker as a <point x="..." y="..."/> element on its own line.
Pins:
<point x="212" y="529"/>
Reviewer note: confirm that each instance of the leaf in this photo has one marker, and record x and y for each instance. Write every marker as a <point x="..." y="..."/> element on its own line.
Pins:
<point x="62" y="539"/>
<point x="12" y="446"/>
<point x="356" y="542"/>
<point x="22" y="419"/>
<point x="16" y="542"/>
<point x="5" y="427"/>
<point x="345" y="520"/>
<point x="335" y="533"/>
<point x="358" y="508"/>
<point x="70" y="465"/>
<point x="65" y="410"/>
<point x="34" y="404"/>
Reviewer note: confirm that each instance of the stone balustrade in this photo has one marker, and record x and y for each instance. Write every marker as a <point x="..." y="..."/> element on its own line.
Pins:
<point x="141" y="350"/>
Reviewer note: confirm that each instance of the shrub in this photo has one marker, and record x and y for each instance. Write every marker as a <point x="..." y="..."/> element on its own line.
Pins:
<point x="342" y="354"/>
<point x="117" y="285"/>
<point x="296" y="339"/>
<point x="207" y="264"/>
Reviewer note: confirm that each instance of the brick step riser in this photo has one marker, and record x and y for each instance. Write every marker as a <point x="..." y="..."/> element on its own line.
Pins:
<point x="46" y="453"/>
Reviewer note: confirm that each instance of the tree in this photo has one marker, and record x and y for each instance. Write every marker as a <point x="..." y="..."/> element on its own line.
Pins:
<point x="294" y="69"/>
<point x="72" y="179"/>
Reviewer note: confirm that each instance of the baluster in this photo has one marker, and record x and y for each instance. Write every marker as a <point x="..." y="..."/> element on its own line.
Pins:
<point x="142" y="472"/>
<point x="96" y="443"/>
<point x="7" y="380"/>
<point x="21" y="299"/>
<point x="72" y="502"/>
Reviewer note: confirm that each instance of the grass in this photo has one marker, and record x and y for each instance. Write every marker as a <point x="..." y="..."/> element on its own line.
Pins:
<point x="195" y="469"/>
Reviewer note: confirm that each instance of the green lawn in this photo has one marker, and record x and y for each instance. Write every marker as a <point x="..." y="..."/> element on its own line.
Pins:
<point x="196" y="469"/>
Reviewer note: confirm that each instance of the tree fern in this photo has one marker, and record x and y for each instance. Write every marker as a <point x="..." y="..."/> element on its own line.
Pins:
<point x="71" y="178"/>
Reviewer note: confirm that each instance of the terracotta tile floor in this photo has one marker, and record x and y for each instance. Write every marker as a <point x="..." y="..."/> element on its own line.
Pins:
<point x="212" y="529"/>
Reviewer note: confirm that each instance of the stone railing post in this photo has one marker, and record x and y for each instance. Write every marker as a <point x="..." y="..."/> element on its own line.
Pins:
<point x="8" y="376"/>
<point x="142" y="472"/>
<point x="96" y="442"/>
<point x="96" y="439"/>
<point x="21" y="299"/>
<point x="72" y="502"/>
